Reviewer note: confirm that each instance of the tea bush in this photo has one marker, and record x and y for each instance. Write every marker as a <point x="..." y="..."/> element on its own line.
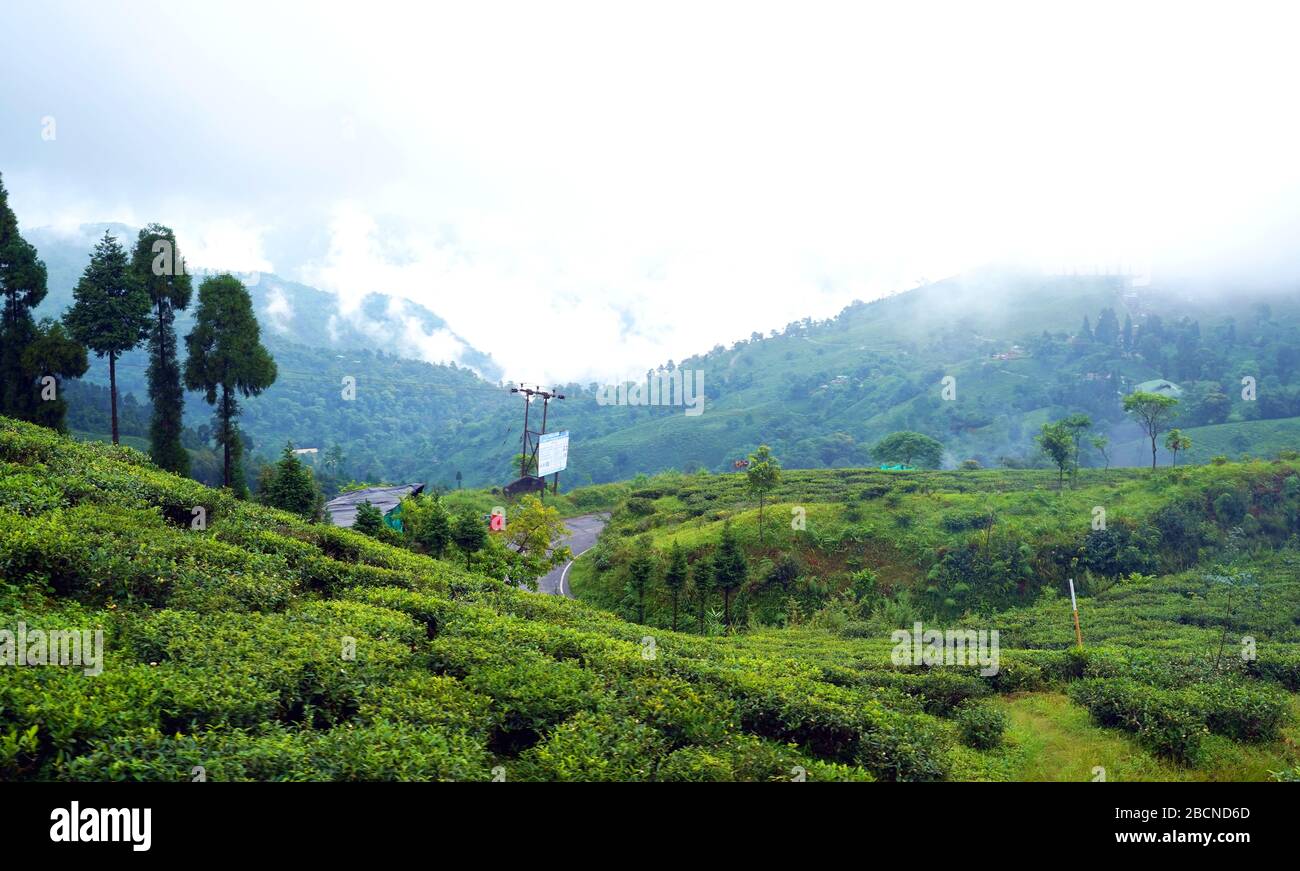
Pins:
<point x="1161" y="719"/>
<point x="981" y="726"/>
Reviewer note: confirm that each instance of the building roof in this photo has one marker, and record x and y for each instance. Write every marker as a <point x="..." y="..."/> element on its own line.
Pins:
<point x="1159" y="385"/>
<point x="342" y="509"/>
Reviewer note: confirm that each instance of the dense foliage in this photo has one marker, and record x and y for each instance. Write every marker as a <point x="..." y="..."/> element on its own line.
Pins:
<point x="261" y="646"/>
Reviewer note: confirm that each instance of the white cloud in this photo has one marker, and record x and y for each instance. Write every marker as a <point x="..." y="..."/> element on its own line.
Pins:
<point x="587" y="189"/>
<point x="278" y="311"/>
<point x="223" y="244"/>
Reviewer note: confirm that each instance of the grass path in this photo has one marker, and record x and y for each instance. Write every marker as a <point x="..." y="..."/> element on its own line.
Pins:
<point x="1050" y="739"/>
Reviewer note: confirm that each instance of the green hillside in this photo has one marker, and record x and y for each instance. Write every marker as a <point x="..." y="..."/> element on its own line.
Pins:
<point x="948" y="544"/>
<point x="265" y="648"/>
<point x="1252" y="438"/>
<point x="821" y="393"/>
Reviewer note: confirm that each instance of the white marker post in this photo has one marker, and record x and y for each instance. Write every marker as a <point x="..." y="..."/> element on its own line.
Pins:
<point x="1074" y="606"/>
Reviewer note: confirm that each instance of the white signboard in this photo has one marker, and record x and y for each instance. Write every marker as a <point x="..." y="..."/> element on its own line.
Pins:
<point x="552" y="453"/>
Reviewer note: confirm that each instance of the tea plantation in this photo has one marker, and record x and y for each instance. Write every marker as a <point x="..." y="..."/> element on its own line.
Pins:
<point x="1189" y="585"/>
<point x="256" y="646"/>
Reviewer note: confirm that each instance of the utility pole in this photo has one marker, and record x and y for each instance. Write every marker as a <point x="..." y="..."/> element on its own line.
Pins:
<point x="530" y="438"/>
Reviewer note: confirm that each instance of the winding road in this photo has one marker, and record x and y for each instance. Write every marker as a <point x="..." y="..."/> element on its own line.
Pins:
<point x="581" y="538"/>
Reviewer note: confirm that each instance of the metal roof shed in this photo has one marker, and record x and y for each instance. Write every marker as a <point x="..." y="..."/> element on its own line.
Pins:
<point x="342" y="509"/>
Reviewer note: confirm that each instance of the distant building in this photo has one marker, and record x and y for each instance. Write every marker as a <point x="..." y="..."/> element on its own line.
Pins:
<point x="342" y="509"/>
<point x="1160" y="386"/>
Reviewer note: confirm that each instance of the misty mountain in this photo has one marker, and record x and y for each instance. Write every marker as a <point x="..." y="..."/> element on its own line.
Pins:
<point x="289" y="312"/>
<point x="1020" y="349"/>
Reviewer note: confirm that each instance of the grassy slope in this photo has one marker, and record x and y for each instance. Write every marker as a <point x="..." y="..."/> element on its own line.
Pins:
<point x="1261" y="438"/>
<point x="852" y="520"/>
<point x="895" y="523"/>
<point x="1051" y="739"/>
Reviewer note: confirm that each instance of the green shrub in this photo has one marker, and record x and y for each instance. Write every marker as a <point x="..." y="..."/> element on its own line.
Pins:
<point x="1282" y="667"/>
<point x="858" y="629"/>
<point x="640" y="507"/>
<point x="592" y="747"/>
<point x="980" y="726"/>
<point x="1242" y="712"/>
<point x="831" y="722"/>
<point x="422" y="699"/>
<point x="1162" y="720"/>
<point x="1015" y="675"/>
<point x="378" y="752"/>
<point x="748" y="759"/>
<point x="531" y="695"/>
<point x="683" y="712"/>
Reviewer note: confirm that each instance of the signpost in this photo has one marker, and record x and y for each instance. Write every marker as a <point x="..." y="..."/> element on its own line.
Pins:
<point x="1074" y="606"/>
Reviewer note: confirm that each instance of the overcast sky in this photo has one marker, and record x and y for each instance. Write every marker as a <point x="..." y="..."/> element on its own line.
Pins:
<point x="586" y="190"/>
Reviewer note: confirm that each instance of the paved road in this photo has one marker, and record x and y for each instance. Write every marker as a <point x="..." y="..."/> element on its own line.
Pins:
<point x="583" y="531"/>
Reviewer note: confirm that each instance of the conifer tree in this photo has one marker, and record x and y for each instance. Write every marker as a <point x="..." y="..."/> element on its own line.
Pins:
<point x="292" y="487"/>
<point x="110" y="315"/>
<point x="158" y="267"/>
<point x="729" y="568"/>
<point x="226" y="357"/>
<point x="369" y="519"/>
<point x="470" y="534"/>
<point x="702" y="582"/>
<point x="675" y="577"/>
<point x="22" y="287"/>
<point x="640" y="573"/>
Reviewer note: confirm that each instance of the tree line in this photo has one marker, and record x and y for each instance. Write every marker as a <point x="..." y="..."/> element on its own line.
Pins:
<point x="1061" y="441"/>
<point x="121" y="301"/>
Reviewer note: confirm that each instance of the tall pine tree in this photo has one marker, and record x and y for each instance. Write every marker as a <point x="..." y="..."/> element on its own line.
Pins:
<point x="729" y="568"/>
<point x="111" y="312"/>
<point x="226" y="357"/>
<point x="159" y="268"/>
<point x="675" y="577"/>
<point x="22" y="283"/>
